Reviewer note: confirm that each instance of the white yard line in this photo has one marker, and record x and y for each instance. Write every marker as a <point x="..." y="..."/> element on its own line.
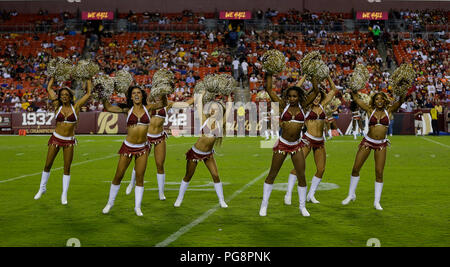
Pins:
<point x="436" y="142"/>
<point x="74" y="164"/>
<point x="55" y="169"/>
<point x="205" y="215"/>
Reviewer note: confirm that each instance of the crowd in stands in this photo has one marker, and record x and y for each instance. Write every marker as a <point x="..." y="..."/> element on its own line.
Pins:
<point x="192" y="55"/>
<point x="429" y="58"/>
<point x="23" y="62"/>
<point x="421" y="20"/>
<point x="186" y="16"/>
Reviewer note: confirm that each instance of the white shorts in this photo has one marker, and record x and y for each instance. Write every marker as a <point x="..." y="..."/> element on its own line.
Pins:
<point x="418" y="124"/>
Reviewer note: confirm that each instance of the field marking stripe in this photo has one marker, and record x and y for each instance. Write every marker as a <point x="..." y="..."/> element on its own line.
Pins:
<point x="74" y="164"/>
<point x="205" y="215"/>
<point x="436" y="142"/>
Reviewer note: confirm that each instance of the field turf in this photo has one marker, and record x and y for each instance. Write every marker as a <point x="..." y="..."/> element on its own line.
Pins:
<point x="415" y="197"/>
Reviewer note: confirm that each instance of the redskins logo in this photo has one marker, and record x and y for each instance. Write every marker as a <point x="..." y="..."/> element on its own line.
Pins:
<point x="107" y="123"/>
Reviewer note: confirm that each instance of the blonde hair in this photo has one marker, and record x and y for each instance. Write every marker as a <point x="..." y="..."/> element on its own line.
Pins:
<point x="218" y="141"/>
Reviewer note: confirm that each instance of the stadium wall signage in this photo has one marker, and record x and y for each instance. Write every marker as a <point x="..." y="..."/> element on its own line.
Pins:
<point x="369" y="15"/>
<point x="246" y="120"/>
<point x="5" y="124"/>
<point x="235" y="15"/>
<point x="97" y="15"/>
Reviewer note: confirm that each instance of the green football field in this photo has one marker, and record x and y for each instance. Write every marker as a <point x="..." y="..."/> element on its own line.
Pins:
<point x="415" y="197"/>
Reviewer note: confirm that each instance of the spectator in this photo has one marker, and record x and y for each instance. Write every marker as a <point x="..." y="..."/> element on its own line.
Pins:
<point x="15" y="99"/>
<point x="418" y="124"/>
<point x="235" y="64"/>
<point x="434" y="120"/>
<point x="431" y="89"/>
<point x="244" y="68"/>
<point x="190" y="79"/>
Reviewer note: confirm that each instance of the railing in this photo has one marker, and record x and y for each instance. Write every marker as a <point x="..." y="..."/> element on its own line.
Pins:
<point x="30" y="27"/>
<point x="301" y="27"/>
<point x="215" y="24"/>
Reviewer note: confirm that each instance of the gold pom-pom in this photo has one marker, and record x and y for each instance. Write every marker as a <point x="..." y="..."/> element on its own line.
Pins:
<point x="103" y="87"/>
<point x="163" y="76"/>
<point x="358" y="78"/>
<point x="274" y="61"/>
<point x="347" y="97"/>
<point x="60" y="68"/>
<point x="313" y="66"/>
<point x="84" y="70"/>
<point x="333" y="105"/>
<point x="211" y="83"/>
<point x="52" y="65"/>
<point x="162" y="88"/>
<point x="199" y="88"/>
<point x="402" y="79"/>
<point x="162" y="83"/>
<point x="226" y="84"/>
<point x="123" y="80"/>
<point x="208" y="97"/>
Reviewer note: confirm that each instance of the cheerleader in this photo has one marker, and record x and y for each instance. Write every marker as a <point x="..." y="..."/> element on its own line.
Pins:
<point x="157" y="137"/>
<point x="313" y="139"/>
<point x="374" y="140"/>
<point x="356" y="119"/>
<point x="135" y="144"/>
<point x="332" y="116"/>
<point x="203" y="150"/>
<point x="64" y="135"/>
<point x="292" y="120"/>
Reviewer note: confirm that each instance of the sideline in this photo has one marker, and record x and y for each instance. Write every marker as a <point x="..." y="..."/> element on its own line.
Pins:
<point x="436" y="142"/>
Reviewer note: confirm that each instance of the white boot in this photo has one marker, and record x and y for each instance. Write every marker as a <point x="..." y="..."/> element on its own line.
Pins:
<point x="138" y="194"/>
<point x="219" y="191"/>
<point x="291" y="182"/>
<point x="132" y="182"/>
<point x="351" y="192"/>
<point x="66" y="181"/>
<point x="183" y="187"/>
<point x="378" y="190"/>
<point x="161" y="181"/>
<point x="312" y="190"/>
<point x="302" y="200"/>
<point x="43" y="185"/>
<point x="112" y="196"/>
<point x="265" y="201"/>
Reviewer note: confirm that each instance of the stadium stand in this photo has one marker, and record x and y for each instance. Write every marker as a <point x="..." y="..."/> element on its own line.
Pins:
<point x="183" y="43"/>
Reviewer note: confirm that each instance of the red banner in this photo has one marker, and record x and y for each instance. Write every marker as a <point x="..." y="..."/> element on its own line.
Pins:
<point x="377" y="15"/>
<point x="97" y="15"/>
<point x="235" y="15"/>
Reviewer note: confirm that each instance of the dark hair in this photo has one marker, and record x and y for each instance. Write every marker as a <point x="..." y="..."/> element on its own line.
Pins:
<point x="129" y="98"/>
<point x="372" y="99"/>
<point x="70" y="95"/>
<point x="300" y="92"/>
<point x="322" y="95"/>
